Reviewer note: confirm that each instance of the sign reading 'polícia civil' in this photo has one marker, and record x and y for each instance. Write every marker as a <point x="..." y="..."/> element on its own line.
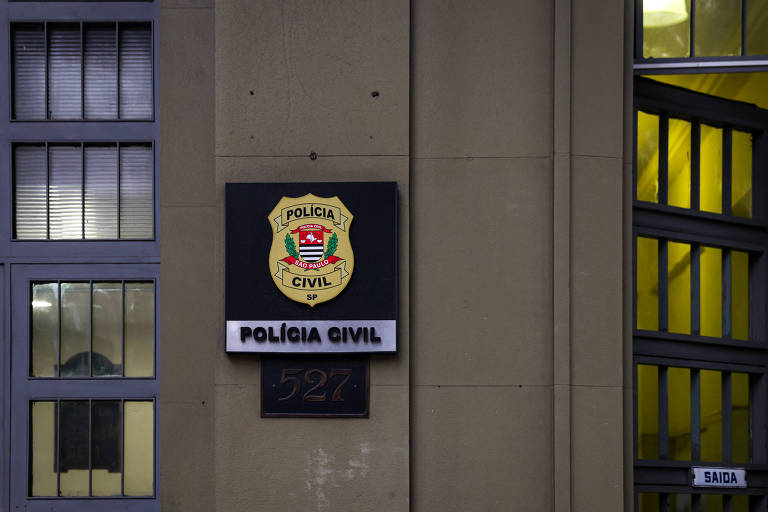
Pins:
<point x="302" y="277"/>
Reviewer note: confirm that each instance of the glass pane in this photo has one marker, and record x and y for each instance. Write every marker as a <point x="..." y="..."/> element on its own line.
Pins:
<point x="647" y="283"/>
<point x="31" y="178"/>
<point x="139" y="449"/>
<point x="106" y="446"/>
<point x="43" y="471"/>
<point x="711" y="293"/>
<point x="73" y="449"/>
<point x="135" y="71"/>
<point x="647" y="412"/>
<point x="101" y="191"/>
<point x="740" y="417"/>
<point x="64" y="71"/>
<point x="679" y="503"/>
<point x="679" y="276"/>
<point x="740" y="297"/>
<point x="666" y="29"/>
<point x="679" y="396"/>
<point x="139" y="329"/>
<point x="100" y="41"/>
<point x="711" y="169"/>
<point x="757" y="25"/>
<point x="66" y="192"/>
<point x="741" y="198"/>
<point x="648" y="502"/>
<point x="740" y="502"/>
<point x="711" y="415"/>
<point x="28" y="71"/>
<point x="136" y="191"/>
<point x="679" y="163"/>
<point x="107" y="329"/>
<point x="713" y="502"/>
<point x="647" y="157"/>
<point x="718" y="28"/>
<point x="45" y="329"/>
<point x="75" y="329"/>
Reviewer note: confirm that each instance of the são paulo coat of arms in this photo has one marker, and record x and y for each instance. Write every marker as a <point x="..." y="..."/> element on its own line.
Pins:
<point x="311" y="259"/>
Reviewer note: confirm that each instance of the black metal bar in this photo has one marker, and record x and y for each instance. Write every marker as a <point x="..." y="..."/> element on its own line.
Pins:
<point x="696" y="503"/>
<point x="635" y="116"/>
<point x="663" y="413"/>
<point x="758" y="418"/>
<point x="635" y="443"/>
<point x="695" y="289"/>
<point x="692" y="42"/>
<point x="47" y="192"/>
<point x="58" y="447"/>
<point x="744" y="19"/>
<point x="663" y="286"/>
<point x="695" y="415"/>
<point x="727" y="294"/>
<point x="663" y="158"/>
<point x="695" y="165"/>
<point x="90" y="329"/>
<point x="663" y="502"/>
<point x="727" y="171"/>
<point x="638" y="29"/>
<point x="727" y="503"/>
<point x="635" y="270"/>
<point x="90" y="447"/>
<point x="727" y="426"/>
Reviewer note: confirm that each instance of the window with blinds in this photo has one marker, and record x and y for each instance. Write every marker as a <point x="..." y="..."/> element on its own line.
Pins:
<point x="82" y="71"/>
<point x="75" y="191"/>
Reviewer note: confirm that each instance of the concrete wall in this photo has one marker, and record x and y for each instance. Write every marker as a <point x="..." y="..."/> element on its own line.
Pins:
<point x="501" y="122"/>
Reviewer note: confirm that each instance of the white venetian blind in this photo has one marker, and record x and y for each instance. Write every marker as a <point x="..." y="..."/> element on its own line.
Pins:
<point x="101" y="191"/>
<point x="65" y="196"/>
<point x="135" y="41"/>
<point x="28" y="40"/>
<point x="64" y="71"/>
<point x="136" y="191"/>
<point x="31" y="182"/>
<point x="100" y="69"/>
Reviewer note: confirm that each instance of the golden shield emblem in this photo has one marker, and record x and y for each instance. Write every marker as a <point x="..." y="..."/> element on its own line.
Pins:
<point x="311" y="259"/>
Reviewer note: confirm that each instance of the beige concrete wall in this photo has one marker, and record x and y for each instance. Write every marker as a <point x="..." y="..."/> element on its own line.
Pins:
<point x="501" y="121"/>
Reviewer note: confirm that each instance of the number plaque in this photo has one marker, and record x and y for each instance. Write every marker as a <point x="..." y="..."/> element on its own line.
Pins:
<point x="314" y="387"/>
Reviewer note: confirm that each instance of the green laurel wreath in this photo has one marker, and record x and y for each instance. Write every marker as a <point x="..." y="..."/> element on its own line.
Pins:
<point x="290" y="246"/>
<point x="332" y="243"/>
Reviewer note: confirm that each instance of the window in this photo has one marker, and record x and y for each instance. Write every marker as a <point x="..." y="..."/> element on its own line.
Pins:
<point x="665" y="29"/>
<point x="74" y="191"/>
<point x="85" y="385"/>
<point x="700" y="342"/>
<point x="82" y="71"/>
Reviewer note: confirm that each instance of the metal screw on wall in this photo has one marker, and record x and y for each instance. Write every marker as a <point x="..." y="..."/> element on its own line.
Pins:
<point x="313" y="156"/>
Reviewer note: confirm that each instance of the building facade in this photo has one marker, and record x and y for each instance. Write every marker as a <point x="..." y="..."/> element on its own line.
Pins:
<point x="581" y="235"/>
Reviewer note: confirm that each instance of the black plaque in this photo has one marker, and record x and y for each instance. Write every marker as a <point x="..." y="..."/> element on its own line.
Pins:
<point x="314" y="387"/>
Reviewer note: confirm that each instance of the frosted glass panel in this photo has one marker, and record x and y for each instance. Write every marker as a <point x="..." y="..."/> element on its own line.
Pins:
<point x="757" y="23"/>
<point x="711" y="415"/>
<point x="740" y="439"/>
<point x="647" y="411"/>
<point x="101" y="191"/>
<point x="106" y="469"/>
<point x="139" y="449"/>
<point x="45" y="329"/>
<point x="679" y="414"/>
<point x="28" y="71"/>
<point x="31" y="181"/>
<point x="107" y="329"/>
<point x="679" y="163"/>
<point x="647" y="157"/>
<point x="679" y="287"/>
<point x="664" y="38"/>
<point x="139" y="329"/>
<point x="64" y="71"/>
<point x="65" y="192"/>
<point x="647" y="283"/>
<point x="135" y="71"/>
<point x="711" y="292"/>
<point x="741" y="200"/>
<point x="75" y="329"/>
<point x="43" y="459"/>
<point x="740" y="295"/>
<point x="718" y="28"/>
<point x="711" y="165"/>
<point x="100" y="41"/>
<point x="136" y="191"/>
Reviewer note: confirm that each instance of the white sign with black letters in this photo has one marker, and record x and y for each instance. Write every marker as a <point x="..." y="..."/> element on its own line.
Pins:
<point x="719" y="477"/>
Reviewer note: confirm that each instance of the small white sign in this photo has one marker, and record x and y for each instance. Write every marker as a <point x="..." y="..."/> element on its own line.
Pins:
<point x="719" y="477"/>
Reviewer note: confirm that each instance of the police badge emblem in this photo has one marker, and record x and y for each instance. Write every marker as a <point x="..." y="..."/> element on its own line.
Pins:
<point x="322" y="266"/>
